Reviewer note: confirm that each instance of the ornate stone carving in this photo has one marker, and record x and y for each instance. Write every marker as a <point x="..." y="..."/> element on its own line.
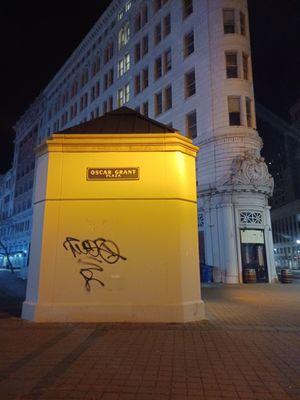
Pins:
<point x="248" y="172"/>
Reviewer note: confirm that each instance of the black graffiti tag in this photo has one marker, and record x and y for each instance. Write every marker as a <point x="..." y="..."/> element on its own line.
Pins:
<point x="92" y="253"/>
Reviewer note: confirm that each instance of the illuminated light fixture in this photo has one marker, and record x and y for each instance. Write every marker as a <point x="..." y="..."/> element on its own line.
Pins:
<point x="298" y="241"/>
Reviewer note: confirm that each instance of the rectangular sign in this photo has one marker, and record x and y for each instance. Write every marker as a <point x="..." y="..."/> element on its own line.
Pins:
<point x="252" y="236"/>
<point x="113" y="174"/>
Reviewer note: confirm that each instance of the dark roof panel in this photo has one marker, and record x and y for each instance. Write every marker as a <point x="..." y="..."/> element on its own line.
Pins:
<point x="122" y="120"/>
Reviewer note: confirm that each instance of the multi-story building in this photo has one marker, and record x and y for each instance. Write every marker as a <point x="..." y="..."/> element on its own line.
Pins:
<point x="6" y="212"/>
<point x="282" y="152"/>
<point x="186" y="63"/>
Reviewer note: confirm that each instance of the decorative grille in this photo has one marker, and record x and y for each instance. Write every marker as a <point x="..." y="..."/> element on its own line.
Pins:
<point x="251" y="217"/>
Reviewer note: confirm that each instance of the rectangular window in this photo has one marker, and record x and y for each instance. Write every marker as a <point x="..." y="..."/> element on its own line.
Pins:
<point x="145" y="79"/>
<point x="145" y="45"/>
<point x="231" y="65"/>
<point x="191" y="124"/>
<point x="157" y="68"/>
<point x="145" y="108"/>
<point x="137" y="22"/>
<point x="127" y="93"/>
<point x="121" y="97"/>
<point x="128" y="5"/>
<point x="187" y="8"/>
<point x="167" y="61"/>
<point x="137" y="52"/>
<point x="243" y="23"/>
<point x="245" y="66"/>
<point x="110" y="103"/>
<point x="104" y="107"/>
<point x="190" y="83"/>
<point x="97" y="89"/>
<point x="144" y="15"/>
<point x="156" y="5"/>
<point x="121" y="67"/>
<point x="248" y="111"/>
<point x="167" y="25"/>
<point x="127" y="62"/>
<point x="137" y="84"/>
<point x="228" y="20"/>
<point x="168" y="98"/>
<point x="124" y="35"/>
<point x="188" y="44"/>
<point x="157" y="34"/>
<point x="158" y="103"/>
<point x="234" y="110"/>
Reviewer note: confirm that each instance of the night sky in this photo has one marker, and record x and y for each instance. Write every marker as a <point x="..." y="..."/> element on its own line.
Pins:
<point x="38" y="36"/>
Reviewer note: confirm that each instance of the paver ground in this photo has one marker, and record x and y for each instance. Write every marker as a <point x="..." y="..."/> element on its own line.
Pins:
<point x="248" y="348"/>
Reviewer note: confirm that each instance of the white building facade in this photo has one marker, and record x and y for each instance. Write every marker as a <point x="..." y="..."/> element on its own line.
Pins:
<point x="185" y="63"/>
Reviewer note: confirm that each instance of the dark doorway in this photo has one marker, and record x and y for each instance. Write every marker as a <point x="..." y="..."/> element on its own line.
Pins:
<point x="254" y="254"/>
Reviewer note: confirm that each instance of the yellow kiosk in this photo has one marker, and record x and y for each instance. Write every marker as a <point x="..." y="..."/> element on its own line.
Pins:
<point x="115" y="233"/>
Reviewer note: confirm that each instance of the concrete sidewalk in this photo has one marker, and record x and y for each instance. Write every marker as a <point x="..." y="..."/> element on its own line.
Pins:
<point x="249" y="348"/>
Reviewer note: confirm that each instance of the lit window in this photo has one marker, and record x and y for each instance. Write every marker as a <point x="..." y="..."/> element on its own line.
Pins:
<point x="231" y="65"/>
<point x="124" y="65"/>
<point x="124" y="35"/>
<point x="187" y="8"/>
<point x="228" y="21"/>
<point x="123" y="95"/>
<point x="127" y="62"/>
<point x="128" y="5"/>
<point x="190" y="83"/>
<point x="234" y="110"/>
<point x="191" y="124"/>
<point x="158" y="103"/>
<point x="121" y="67"/>
<point x="248" y="111"/>
<point x="188" y="43"/>
<point x="120" y="15"/>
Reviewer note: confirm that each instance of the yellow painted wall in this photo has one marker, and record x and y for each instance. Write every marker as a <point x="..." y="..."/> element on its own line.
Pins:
<point x="153" y="221"/>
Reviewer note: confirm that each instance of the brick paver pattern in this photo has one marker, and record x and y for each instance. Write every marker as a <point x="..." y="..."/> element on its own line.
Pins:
<point x="248" y="348"/>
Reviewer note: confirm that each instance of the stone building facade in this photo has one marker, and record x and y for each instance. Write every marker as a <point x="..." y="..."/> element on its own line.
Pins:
<point x="187" y="64"/>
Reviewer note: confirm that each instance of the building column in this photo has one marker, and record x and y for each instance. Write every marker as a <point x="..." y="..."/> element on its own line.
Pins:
<point x="270" y="247"/>
<point x="229" y="245"/>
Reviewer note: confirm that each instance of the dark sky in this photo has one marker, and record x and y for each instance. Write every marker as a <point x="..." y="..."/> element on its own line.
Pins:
<point x="38" y="36"/>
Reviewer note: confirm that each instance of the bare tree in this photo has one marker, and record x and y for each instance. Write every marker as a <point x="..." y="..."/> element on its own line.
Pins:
<point x="6" y="253"/>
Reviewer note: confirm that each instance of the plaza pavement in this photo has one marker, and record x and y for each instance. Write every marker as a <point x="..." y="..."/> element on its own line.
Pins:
<point x="248" y="348"/>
